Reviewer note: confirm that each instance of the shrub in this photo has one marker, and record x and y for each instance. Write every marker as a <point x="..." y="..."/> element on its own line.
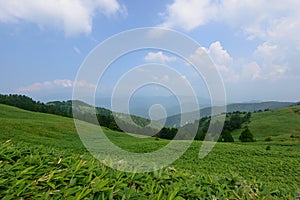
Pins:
<point x="226" y="137"/>
<point x="268" y="139"/>
<point x="246" y="136"/>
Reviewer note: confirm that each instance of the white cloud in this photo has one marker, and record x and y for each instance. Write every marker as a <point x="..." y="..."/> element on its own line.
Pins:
<point x="72" y="16"/>
<point x="83" y="83"/>
<point x="272" y="60"/>
<point x="275" y="23"/>
<point x="263" y="19"/>
<point x="219" y="55"/>
<point x="267" y="63"/>
<point x="55" y="84"/>
<point x="266" y="50"/>
<point x="251" y="71"/>
<point x="159" y="57"/>
<point x="214" y="58"/>
<point x="188" y="14"/>
<point x="221" y="59"/>
<point x="63" y="83"/>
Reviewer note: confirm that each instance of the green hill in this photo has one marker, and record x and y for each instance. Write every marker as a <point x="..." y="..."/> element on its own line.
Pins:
<point x="45" y="160"/>
<point x="54" y="130"/>
<point x="85" y="112"/>
<point x="281" y="125"/>
<point x="81" y="107"/>
<point x="37" y="128"/>
<point x="40" y="128"/>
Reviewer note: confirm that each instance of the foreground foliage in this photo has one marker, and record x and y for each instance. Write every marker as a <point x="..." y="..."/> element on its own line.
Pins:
<point x="46" y="159"/>
<point x="29" y="171"/>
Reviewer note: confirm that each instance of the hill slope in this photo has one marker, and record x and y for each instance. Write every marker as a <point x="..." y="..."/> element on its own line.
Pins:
<point x="281" y="124"/>
<point x="40" y="128"/>
<point x="83" y="112"/>
<point x="36" y="171"/>
<point x="84" y="108"/>
<point x="52" y="130"/>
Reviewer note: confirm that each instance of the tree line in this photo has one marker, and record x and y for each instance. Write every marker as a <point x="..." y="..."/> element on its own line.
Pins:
<point x="105" y="118"/>
<point x="27" y="103"/>
<point x="233" y="122"/>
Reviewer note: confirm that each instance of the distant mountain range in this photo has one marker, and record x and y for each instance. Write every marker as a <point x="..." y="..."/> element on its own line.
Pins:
<point x="141" y="105"/>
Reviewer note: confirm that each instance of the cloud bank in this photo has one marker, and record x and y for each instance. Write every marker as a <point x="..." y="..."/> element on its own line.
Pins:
<point x="275" y="23"/>
<point x="74" y="17"/>
<point x="55" y="84"/>
<point x="159" y="57"/>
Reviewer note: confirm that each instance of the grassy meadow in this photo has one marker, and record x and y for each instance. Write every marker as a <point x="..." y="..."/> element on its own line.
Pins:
<point x="42" y="157"/>
<point x="279" y="124"/>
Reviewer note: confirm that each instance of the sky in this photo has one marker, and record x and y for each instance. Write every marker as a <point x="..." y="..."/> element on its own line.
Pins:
<point x="254" y="44"/>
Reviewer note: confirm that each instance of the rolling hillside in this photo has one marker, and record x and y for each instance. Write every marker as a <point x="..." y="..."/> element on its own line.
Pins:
<point x="83" y="108"/>
<point x="53" y="130"/>
<point x="281" y="125"/>
<point x="40" y="128"/>
<point x="37" y="128"/>
<point x="42" y="158"/>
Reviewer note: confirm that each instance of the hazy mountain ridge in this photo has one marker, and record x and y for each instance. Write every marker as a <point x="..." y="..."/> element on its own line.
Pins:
<point x="140" y="105"/>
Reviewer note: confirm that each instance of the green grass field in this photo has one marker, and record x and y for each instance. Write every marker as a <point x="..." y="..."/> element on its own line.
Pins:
<point x="280" y="125"/>
<point x="41" y="156"/>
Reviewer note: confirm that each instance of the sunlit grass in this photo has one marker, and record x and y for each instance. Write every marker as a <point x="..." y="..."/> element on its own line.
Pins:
<point x="46" y="159"/>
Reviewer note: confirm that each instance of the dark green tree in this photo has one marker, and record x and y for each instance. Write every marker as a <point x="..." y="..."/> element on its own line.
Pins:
<point x="167" y="133"/>
<point x="226" y="137"/>
<point x="246" y="136"/>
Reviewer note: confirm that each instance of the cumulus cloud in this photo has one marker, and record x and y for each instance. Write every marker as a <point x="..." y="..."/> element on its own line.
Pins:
<point x="263" y="19"/>
<point x="221" y="59"/>
<point x="188" y="14"/>
<point x="272" y="60"/>
<point x="267" y="63"/>
<point x="55" y="84"/>
<point x="276" y="24"/>
<point x="251" y="71"/>
<point x="219" y="55"/>
<point x="159" y="57"/>
<point x="72" y="16"/>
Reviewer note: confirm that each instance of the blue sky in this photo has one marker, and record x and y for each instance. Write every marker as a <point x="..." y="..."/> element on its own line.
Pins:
<point x="254" y="44"/>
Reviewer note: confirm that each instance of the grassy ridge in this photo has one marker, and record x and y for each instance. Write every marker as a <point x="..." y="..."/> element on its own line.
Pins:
<point x="38" y="128"/>
<point x="57" y="131"/>
<point x="279" y="124"/>
<point x="46" y="159"/>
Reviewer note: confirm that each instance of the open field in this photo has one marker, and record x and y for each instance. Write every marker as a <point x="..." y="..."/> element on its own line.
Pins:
<point x="279" y="124"/>
<point x="46" y="159"/>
